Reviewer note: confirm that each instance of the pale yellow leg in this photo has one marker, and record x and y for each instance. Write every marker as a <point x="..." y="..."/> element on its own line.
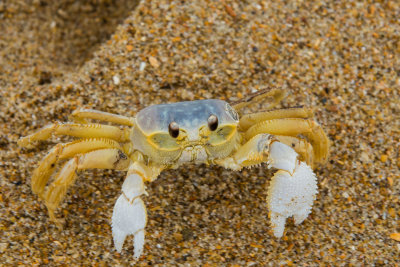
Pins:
<point x="77" y="130"/>
<point x="294" y="127"/>
<point x="81" y="115"/>
<point x="63" y="151"/>
<point x="250" y="154"/>
<point x="253" y="152"/>
<point x="249" y="120"/>
<point x="100" y="159"/>
<point x="275" y="95"/>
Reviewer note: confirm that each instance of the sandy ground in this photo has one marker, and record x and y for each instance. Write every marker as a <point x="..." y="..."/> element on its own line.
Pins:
<point x="342" y="58"/>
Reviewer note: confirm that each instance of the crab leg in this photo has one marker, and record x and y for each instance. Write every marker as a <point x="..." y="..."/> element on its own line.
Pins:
<point x="100" y="159"/>
<point x="81" y="115"/>
<point x="293" y="187"/>
<point x="276" y="95"/>
<point x="129" y="214"/>
<point x="294" y="127"/>
<point x="77" y="130"/>
<point x="42" y="173"/>
<point x="248" y="120"/>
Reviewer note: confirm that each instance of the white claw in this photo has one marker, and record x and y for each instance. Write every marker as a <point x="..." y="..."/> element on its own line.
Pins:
<point x="129" y="215"/>
<point x="291" y="194"/>
<point x="282" y="157"/>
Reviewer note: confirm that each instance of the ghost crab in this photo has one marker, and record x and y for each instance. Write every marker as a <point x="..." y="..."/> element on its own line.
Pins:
<point x="168" y="135"/>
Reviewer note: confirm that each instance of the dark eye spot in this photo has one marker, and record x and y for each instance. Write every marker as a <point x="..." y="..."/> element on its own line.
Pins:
<point x="173" y="129"/>
<point x="212" y="122"/>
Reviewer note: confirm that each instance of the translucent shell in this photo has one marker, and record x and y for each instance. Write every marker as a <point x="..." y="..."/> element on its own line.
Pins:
<point x="188" y="115"/>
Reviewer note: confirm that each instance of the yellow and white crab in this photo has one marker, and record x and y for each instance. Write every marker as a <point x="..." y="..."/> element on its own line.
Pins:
<point x="168" y="135"/>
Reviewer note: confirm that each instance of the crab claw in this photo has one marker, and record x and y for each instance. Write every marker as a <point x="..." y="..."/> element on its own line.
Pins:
<point x="129" y="215"/>
<point x="292" y="190"/>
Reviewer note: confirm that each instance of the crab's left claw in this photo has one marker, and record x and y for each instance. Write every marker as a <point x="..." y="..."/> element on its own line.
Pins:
<point x="129" y="215"/>
<point x="292" y="190"/>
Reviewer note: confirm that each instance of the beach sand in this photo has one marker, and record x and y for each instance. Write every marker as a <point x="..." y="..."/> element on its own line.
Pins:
<point x="341" y="58"/>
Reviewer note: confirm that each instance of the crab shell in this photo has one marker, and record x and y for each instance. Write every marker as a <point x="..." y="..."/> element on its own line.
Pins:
<point x="195" y="142"/>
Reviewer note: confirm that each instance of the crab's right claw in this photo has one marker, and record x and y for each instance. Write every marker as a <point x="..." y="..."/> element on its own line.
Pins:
<point x="292" y="190"/>
<point x="129" y="215"/>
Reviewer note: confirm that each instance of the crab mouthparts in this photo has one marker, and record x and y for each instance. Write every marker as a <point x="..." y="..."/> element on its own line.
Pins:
<point x="194" y="153"/>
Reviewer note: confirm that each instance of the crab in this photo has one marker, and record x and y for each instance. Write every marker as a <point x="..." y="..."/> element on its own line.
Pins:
<point x="166" y="136"/>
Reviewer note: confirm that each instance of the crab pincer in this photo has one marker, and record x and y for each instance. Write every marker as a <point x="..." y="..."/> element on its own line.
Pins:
<point x="129" y="214"/>
<point x="292" y="189"/>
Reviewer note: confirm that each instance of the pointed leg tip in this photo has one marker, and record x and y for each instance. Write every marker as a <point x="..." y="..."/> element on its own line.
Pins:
<point x="23" y="142"/>
<point x="57" y="222"/>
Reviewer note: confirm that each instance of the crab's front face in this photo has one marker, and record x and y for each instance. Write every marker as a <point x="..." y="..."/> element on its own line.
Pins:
<point x="197" y="131"/>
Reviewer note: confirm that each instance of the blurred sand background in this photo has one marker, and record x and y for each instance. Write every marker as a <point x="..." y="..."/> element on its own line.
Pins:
<point x="340" y="57"/>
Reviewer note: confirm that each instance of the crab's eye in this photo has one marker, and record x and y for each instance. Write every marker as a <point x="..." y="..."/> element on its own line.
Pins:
<point x="173" y="129"/>
<point x="212" y="122"/>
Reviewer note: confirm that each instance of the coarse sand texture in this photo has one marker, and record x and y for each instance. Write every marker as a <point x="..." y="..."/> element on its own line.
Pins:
<point x="340" y="58"/>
